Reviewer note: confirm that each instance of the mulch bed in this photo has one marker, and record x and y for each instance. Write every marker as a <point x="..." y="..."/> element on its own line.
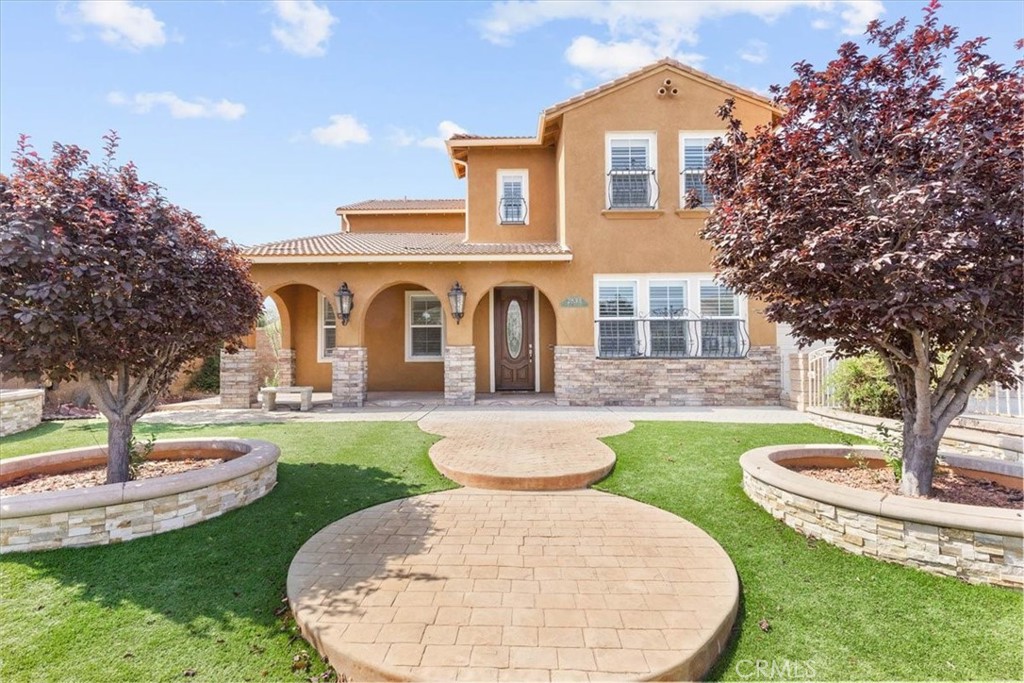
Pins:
<point x="947" y="486"/>
<point x="95" y="476"/>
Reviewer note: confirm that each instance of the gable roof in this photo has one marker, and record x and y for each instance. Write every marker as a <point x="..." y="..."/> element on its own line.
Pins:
<point x="405" y="206"/>
<point x="550" y="118"/>
<point x="362" y="247"/>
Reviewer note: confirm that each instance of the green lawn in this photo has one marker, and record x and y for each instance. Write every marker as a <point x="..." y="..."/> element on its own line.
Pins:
<point x="207" y="598"/>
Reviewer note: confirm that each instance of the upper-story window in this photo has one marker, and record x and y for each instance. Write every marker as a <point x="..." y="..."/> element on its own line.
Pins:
<point x="693" y="155"/>
<point x="632" y="170"/>
<point x="513" y="193"/>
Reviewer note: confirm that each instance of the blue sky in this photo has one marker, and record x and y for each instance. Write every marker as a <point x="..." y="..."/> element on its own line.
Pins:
<point x="262" y="117"/>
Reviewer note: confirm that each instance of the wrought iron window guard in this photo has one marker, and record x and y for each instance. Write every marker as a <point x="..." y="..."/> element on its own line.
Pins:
<point x="693" y="180"/>
<point x="675" y="336"/>
<point x="512" y="210"/>
<point x="632" y="188"/>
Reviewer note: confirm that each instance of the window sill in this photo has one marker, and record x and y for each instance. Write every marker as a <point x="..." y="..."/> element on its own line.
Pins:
<point x="515" y="223"/>
<point x="632" y="214"/>
<point x="693" y="213"/>
<point x="424" y="359"/>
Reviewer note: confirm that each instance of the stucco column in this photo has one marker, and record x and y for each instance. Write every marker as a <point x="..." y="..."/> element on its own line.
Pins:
<point x="348" y="378"/>
<point x="238" y="382"/>
<point x="459" y="375"/>
<point x="286" y="367"/>
<point x="798" y="382"/>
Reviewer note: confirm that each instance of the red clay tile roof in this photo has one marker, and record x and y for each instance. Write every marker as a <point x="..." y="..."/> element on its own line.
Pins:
<point x="667" y="61"/>
<point x="399" y="245"/>
<point x="386" y="205"/>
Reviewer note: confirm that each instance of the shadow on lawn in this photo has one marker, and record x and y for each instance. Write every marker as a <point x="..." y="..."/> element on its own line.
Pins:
<point x="231" y="567"/>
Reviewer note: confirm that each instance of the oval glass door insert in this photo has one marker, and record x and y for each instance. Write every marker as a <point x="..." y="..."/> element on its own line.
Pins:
<point x="514" y="329"/>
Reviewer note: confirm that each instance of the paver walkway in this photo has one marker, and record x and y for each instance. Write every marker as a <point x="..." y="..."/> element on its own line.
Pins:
<point x="518" y="584"/>
<point x="482" y="586"/>
<point x="523" y="451"/>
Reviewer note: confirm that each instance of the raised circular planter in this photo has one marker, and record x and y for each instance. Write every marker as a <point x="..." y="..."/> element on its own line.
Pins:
<point x="112" y="513"/>
<point x="970" y="542"/>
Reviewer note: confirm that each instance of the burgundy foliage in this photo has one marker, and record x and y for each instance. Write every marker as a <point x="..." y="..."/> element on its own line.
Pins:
<point x="106" y="281"/>
<point x="884" y="213"/>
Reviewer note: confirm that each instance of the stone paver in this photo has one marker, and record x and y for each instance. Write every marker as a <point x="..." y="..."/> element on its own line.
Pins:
<point x="523" y="450"/>
<point x="486" y="585"/>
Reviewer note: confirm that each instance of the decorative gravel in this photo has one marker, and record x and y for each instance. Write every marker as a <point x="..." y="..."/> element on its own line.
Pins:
<point x="947" y="486"/>
<point x="96" y="476"/>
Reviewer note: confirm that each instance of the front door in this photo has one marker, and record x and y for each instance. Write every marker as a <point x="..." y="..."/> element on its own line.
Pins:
<point x="513" y="339"/>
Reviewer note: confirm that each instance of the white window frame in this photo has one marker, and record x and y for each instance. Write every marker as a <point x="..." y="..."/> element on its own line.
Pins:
<point x="321" y="352"/>
<point x="642" y="283"/>
<point x="409" y="358"/>
<point x="618" y="281"/>
<point x="685" y="135"/>
<point x="652" y="159"/>
<point x="502" y="174"/>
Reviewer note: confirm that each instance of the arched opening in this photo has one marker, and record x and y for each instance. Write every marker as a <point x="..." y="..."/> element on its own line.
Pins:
<point x="514" y="334"/>
<point x="308" y="330"/>
<point x="404" y="332"/>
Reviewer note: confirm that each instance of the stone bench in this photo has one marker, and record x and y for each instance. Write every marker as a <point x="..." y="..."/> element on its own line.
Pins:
<point x="268" y="395"/>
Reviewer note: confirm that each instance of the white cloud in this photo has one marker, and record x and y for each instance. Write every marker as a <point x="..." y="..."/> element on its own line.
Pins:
<point x="857" y="14"/>
<point x="641" y="31"/>
<point x="821" y="24"/>
<point x="445" y="130"/>
<point x="302" y="27"/>
<point x="120" y="23"/>
<point x="400" y="137"/>
<point x="343" y="129"/>
<point x="755" y="52"/>
<point x="614" y="58"/>
<point x="199" y="108"/>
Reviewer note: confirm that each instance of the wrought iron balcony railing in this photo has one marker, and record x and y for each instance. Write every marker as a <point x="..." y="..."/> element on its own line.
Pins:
<point x="672" y="337"/>
<point x="634" y="188"/>
<point x="512" y="210"/>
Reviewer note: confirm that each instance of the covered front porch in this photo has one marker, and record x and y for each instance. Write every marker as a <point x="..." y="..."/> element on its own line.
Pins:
<point x="409" y="342"/>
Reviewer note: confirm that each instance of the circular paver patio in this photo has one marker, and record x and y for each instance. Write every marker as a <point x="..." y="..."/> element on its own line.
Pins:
<point x="485" y="585"/>
<point x="523" y="451"/>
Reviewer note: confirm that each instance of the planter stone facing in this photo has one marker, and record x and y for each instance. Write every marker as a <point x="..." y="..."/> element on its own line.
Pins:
<point x="972" y="543"/>
<point x="20" y="410"/>
<point x="112" y="513"/>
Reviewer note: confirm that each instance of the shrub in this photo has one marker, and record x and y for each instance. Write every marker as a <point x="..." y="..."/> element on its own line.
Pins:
<point x="207" y="377"/>
<point x="862" y="385"/>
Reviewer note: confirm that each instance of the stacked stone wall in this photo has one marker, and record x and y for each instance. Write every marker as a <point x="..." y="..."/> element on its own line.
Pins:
<point x="582" y="379"/>
<point x="20" y="410"/>
<point x="459" y="375"/>
<point x="348" y="377"/>
<point x="238" y="382"/>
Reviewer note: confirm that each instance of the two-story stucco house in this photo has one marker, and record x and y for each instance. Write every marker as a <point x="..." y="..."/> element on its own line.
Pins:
<point x="570" y="267"/>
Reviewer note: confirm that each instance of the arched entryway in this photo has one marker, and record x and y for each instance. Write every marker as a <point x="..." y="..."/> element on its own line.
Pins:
<point x="514" y="335"/>
<point x="404" y="335"/>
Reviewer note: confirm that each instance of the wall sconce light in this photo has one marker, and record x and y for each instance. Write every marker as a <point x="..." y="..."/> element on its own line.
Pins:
<point x="343" y="299"/>
<point x="457" y="301"/>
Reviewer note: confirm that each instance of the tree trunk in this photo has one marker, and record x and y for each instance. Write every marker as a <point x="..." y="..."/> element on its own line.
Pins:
<point x="919" y="455"/>
<point x="119" y="435"/>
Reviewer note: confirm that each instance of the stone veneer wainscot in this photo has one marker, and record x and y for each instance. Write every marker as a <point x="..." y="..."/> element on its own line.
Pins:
<point x="973" y="543"/>
<point x="112" y="513"/>
<point x="582" y="379"/>
<point x="20" y="410"/>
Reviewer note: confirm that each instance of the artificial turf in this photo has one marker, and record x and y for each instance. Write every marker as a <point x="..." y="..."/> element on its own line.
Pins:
<point x="205" y="602"/>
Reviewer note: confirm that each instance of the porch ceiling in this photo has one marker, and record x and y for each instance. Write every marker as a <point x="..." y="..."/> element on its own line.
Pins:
<point x="402" y="247"/>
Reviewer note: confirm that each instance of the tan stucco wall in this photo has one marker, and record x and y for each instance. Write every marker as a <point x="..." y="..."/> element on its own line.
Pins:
<point x="660" y="242"/>
<point x="427" y="222"/>
<point x="483" y="194"/>
<point x="385" y="343"/>
<point x="300" y="302"/>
